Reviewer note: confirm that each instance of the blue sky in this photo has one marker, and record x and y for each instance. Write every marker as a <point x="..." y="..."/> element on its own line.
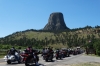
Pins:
<point x="19" y="15"/>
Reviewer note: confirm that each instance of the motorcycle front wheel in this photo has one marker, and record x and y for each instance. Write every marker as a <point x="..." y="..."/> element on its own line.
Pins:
<point x="8" y="62"/>
<point x="29" y="61"/>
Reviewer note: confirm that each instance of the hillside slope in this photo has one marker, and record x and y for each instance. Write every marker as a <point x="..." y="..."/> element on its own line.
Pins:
<point x="71" y="38"/>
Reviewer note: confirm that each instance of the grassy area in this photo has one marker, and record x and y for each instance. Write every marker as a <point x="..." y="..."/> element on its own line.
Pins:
<point x="36" y="35"/>
<point x="49" y="35"/>
<point x="92" y="55"/>
<point x="2" y="53"/>
<point x="83" y="64"/>
<point x="1" y="56"/>
<point x="87" y="64"/>
<point x="56" y="46"/>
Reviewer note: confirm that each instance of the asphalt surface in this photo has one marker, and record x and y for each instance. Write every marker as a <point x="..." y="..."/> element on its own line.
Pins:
<point x="64" y="62"/>
<point x="1" y="60"/>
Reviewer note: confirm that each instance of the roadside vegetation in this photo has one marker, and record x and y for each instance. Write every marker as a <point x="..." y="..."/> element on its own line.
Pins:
<point x="92" y="55"/>
<point x="86" y="64"/>
<point x="5" y="48"/>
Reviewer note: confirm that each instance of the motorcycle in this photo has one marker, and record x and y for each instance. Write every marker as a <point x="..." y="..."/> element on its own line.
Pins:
<point x="59" y="55"/>
<point x="31" y="59"/>
<point x="74" y="52"/>
<point x="68" y="53"/>
<point x="48" y="57"/>
<point x="11" y="58"/>
<point x="24" y="56"/>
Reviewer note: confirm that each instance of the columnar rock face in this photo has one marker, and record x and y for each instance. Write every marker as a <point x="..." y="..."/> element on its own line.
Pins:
<point x="56" y="22"/>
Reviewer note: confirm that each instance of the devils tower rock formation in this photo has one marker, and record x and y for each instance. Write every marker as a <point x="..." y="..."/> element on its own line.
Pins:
<point x="56" y="22"/>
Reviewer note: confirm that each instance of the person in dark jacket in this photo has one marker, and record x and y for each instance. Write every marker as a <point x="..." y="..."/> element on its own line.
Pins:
<point x="13" y="51"/>
<point x="33" y="53"/>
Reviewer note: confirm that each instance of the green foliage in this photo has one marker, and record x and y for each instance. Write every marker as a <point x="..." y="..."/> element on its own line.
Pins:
<point x="6" y="46"/>
<point x="40" y="39"/>
<point x="1" y="46"/>
<point x="98" y="51"/>
<point x="96" y="45"/>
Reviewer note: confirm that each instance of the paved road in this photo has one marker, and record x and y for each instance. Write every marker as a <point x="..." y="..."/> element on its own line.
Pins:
<point x="65" y="61"/>
<point x="1" y="60"/>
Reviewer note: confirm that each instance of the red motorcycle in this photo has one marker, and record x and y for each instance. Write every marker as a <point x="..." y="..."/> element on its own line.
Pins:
<point x="31" y="59"/>
<point x="24" y="56"/>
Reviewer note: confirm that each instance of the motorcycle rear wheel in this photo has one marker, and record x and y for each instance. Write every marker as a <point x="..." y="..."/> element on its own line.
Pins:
<point x="57" y="58"/>
<point x="46" y="60"/>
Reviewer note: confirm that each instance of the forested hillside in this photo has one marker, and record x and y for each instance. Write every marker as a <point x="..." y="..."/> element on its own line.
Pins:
<point x="64" y="38"/>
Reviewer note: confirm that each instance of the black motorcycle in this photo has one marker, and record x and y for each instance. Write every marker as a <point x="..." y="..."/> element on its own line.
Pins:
<point x="67" y="53"/>
<point x="59" y="55"/>
<point x="48" y="57"/>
